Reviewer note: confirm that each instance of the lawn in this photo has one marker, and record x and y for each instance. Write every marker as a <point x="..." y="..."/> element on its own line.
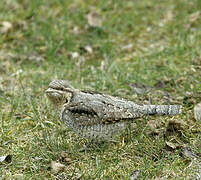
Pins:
<point x="142" y="50"/>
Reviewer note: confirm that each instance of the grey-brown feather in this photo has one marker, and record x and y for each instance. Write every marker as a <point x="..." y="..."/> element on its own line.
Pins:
<point x="100" y="116"/>
<point x="97" y="115"/>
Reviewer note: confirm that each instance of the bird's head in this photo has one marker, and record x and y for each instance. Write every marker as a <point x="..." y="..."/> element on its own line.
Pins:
<point x="59" y="92"/>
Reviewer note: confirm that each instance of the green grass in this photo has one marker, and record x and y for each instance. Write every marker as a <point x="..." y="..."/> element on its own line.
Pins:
<point x="166" y="47"/>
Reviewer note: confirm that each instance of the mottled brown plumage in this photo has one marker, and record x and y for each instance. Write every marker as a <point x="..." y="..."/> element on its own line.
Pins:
<point x="99" y="116"/>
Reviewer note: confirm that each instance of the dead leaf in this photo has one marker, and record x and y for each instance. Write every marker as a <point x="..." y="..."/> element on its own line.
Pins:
<point x="149" y="29"/>
<point x="19" y="115"/>
<point x="89" y="49"/>
<point x="76" y="30"/>
<point x="56" y="167"/>
<point x="7" y="158"/>
<point x="168" y="17"/>
<point x="86" y="49"/>
<point x="187" y="152"/>
<point x="94" y="19"/>
<point x="74" y="55"/>
<point x="171" y="144"/>
<point x="17" y="73"/>
<point x="194" y="17"/>
<point x="134" y="175"/>
<point x="5" y="27"/>
<point x="197" y="112"/>
<point x="139" y="88"/>
<point x="127" y="47"/>
<point x="65" y="158"/>
<point x="18" y="176"/>
<point x="35" y="57"/>
<point x="5" y="55"/>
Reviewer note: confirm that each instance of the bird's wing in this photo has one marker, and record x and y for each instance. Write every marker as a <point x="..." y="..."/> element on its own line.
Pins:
<point x="98" y="112"/>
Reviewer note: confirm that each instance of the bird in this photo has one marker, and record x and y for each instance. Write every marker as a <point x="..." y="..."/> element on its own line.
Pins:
<point x="98" y="116"/>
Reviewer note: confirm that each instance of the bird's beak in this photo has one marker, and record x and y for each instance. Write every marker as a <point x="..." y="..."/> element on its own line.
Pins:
<point x="49" y="90"/>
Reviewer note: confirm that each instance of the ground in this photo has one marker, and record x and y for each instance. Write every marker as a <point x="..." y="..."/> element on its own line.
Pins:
<point x="142" y="50"/>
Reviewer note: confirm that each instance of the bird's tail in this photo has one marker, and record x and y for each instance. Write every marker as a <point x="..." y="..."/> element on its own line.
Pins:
<point x="161" y="109"/>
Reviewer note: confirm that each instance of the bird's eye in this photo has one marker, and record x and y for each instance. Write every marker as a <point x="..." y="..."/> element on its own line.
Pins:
<point x="66" y="100"/>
